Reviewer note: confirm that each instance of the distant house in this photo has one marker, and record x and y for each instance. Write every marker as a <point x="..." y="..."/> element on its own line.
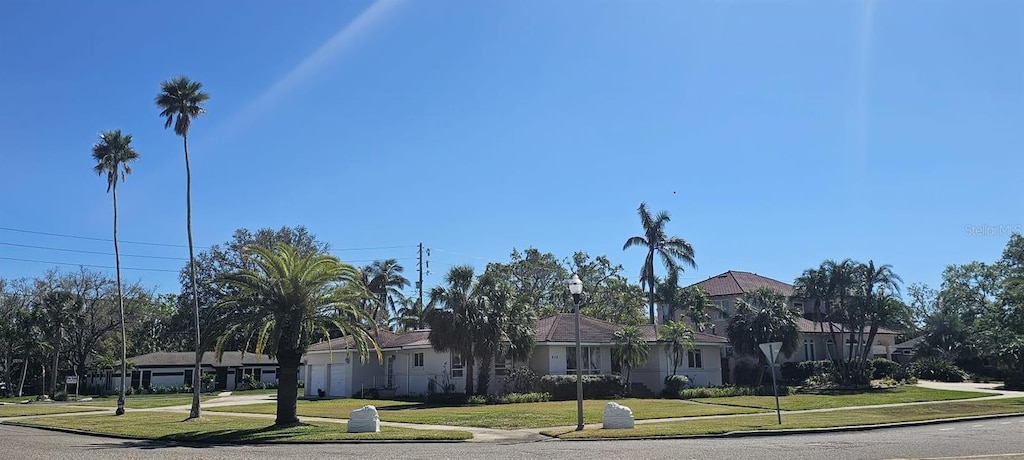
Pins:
<point x="412" y="367"/>
<point x="816" y="338"/>
<point x="166" y="369"/>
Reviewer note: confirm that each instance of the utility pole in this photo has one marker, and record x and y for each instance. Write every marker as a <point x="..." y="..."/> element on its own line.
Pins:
<point x="419" y="284"/>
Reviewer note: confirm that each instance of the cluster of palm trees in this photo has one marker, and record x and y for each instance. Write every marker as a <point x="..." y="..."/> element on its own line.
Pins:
<point x="180" y="101"/>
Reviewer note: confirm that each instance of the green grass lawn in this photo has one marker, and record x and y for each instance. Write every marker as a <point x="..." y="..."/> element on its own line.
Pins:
<point x="168" y="426"/>
<point x="20" y="410"/>
<point x="508" y="416"/>
<point x="902" y="394"/>
<point x="147" y="401"/>
<point x="806" y="420"/>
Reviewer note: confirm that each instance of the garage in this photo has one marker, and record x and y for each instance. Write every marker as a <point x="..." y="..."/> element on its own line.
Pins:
<point x="339" y="380"/>
<point x="317" y="379"/>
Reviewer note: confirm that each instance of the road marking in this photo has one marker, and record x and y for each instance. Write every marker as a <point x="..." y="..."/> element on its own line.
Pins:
<point x="977" y="426"/>
<point x="947" y="429"/>
<point x="967" y="457"/>
<point x="1006" y="423"/>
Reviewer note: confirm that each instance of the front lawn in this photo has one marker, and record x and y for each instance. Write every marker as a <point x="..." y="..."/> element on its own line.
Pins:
<point x="902" y="394"/>
<point x="147" y="401"/>
<point x="21" y="410"/>
<point x="507" y="416"/>
<point x="806" y="420"/>
<point x="167" y="426"/>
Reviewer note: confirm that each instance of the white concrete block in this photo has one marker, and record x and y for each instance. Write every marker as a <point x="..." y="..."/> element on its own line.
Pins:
<point x="364" y="420"/>
<point x="617" y="416"/>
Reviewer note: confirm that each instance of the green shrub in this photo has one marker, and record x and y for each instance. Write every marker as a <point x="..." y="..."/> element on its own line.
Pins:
<point x="854" y="372"/>
<point x="745" y="373"/>
<point x="514" y="398"/>
<point x="903" y="374"/>
<point x="477" y="400"/>
<point x="60" y="396"/>
<point x="1014" y="381"/>
<point x="250" y="381"/>
<point x="883" y="368"/>
<point x="729" y="390"/>
<point x="935" y="368"/>
<point x="521" y="380"/>
<point x="563" y="387"/>
<point x="673" y="384"/>
<point x="800" y="373"/>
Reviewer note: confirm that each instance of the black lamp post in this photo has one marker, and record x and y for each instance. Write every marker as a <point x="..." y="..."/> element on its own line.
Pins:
<point x="576" y="288"/>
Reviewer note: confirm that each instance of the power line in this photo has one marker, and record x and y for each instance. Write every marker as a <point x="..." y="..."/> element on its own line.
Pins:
<point x="88" y="265"/>
<point x="90" y="252"/>
<point x="90" y="238"/>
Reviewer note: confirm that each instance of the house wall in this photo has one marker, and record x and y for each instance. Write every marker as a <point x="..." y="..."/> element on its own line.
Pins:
<point x="168" y="376"/>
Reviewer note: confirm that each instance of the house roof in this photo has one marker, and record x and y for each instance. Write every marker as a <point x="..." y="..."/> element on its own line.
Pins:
<point x="188" y="358"/>
<point x="910" y="343"/>
<point x="739" y="283"/>
<point x="562" y="328"/>
<point x="384" y="338"/>
<point x="807" y="326"/>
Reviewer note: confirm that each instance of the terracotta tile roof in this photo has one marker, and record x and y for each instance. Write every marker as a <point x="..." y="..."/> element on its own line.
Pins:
<point x="740" y="283"/>
<point x="808" y="326"/>
<point x="188" y="358"/>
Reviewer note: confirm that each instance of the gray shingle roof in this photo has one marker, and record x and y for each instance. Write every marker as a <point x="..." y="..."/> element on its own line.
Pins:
<point x="188" y="358"/>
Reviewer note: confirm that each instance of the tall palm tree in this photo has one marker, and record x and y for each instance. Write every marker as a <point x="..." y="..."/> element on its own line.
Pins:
<point x="386" y="282"/>
<point x="761" y="317"/>
<point x="678" y="338"/>
<point x="454" y="318"/>
<point x="672" y="250"/>
<point x="630" y="350"/>
<point x="289" y="301"/>
<point x="114" y="155"/>
<point x="181" y="100"/>
<point x="882" y="308"/>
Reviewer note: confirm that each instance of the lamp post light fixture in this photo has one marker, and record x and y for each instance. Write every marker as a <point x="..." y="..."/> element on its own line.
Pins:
<point x="576" y="289"/>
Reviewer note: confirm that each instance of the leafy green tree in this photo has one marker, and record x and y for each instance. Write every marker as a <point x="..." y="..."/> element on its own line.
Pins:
<point x="678" y="338"/>
<point x="691" y="302"/>
<point x="630" y="350"/>
<point x="413" y="314"/>
<point x="55" y="307"/>
<point x="287" y="303"/>
<point x="114" y="156"/>
<point x="761" y="317"/>
<point x="672" y="250"/>
<point x="181" y="101"/>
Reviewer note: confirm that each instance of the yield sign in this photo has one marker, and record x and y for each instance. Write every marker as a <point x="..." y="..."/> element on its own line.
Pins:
<point x="771" y="350"/>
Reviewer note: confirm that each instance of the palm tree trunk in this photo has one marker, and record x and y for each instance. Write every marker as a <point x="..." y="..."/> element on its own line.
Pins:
<point x="467" y="362"/>
<point x="194" y="413"/>
<point x="53" y="372"/>
<point x="288" y="389"/>
<point x="484" y="375"/>
<point x="650" y="285"/>
<point x="120" y="305"/>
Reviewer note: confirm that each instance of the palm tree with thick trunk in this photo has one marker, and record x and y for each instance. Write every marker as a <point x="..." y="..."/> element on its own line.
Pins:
<point x="181" y="100"/>
<point x="289" y="301"/>
<point x="114" y="155"/>
<point x="761" y="317"/>
<point x="672" y="250"/>
<point x="630" y="350"/>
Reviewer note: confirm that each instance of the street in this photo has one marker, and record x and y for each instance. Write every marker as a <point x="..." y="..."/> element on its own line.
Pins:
<point x="997" y="438"/>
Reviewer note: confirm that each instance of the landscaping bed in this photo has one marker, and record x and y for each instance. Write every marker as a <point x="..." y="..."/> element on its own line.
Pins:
<point x="832" y="399"/>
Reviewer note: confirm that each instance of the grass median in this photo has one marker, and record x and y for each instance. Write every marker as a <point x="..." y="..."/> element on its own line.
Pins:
<point x="505" y="416"/>
<point x="147" y="401"/>
<point x="848" y="417"/>
<point x="835" y="399"/>
<point x="22" y="410"/>
<point x="167" y="426"/>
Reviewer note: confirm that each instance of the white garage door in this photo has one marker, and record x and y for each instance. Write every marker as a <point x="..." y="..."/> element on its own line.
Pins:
<point x="339" y="380"/>
<point x="317" y="379"/>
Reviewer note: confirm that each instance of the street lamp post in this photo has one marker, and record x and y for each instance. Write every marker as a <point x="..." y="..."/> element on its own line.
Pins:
<point x="576" y="288"/>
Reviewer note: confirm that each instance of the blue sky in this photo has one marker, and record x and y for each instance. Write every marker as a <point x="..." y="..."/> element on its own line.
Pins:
<point x="776" y="133"/>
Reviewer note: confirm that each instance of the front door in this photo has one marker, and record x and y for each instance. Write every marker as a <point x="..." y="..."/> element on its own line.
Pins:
<point x="222" y="378"/>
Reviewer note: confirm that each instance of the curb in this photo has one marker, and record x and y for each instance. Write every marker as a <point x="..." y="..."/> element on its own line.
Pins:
<point x="791" y="431"/>
<point x="173" y="443"/>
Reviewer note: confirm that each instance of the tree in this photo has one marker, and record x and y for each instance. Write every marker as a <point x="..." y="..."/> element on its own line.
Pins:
<point x="691" y="302"/>
<point x="114" y="155"/>
<point x="672" y="250"/>
<point x="761" y="317"/>
<point x="630" y="350"/>
<point x="181" y="100"/>
<point x="55" y="308"/>
<point x="507" y="330"/>
<point x="286" y="303"/>
<point x="386" y="282"/>
<point x="537" y="280"/>
<point x="880" y="307"/>
<point x="413" y="314"/>
<point x="678" y="338"/>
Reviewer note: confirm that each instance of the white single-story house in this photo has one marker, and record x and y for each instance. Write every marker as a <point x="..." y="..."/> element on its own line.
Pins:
<point x="412" y="367"/>
<point x="168" y="369"/>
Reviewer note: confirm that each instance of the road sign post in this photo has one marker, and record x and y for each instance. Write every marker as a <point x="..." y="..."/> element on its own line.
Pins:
<point x="71" y="380"/>
<point x="771" y="351"/>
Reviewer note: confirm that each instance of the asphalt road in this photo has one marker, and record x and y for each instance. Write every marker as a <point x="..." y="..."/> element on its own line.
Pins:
<point x="996" y="438"/>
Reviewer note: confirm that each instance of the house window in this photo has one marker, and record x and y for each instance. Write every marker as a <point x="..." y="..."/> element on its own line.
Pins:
<point x="257" y="374"/>
<point x="147" y="379"/>
<point x="136" y="379"/>
<point x="391" y="371"/>
<point x="693" y="359"/>
<point x="798" y="306"/>
<point x="591" y="357"/>
<point x="502" y="361"/>
<point x="457" y="366"/>
<point x="417" y="359"/>
<point x="188" y="377"/>
<point x="830" y="347"/>
<point x="723" y="309"/>
<point x="809" y="350"/>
